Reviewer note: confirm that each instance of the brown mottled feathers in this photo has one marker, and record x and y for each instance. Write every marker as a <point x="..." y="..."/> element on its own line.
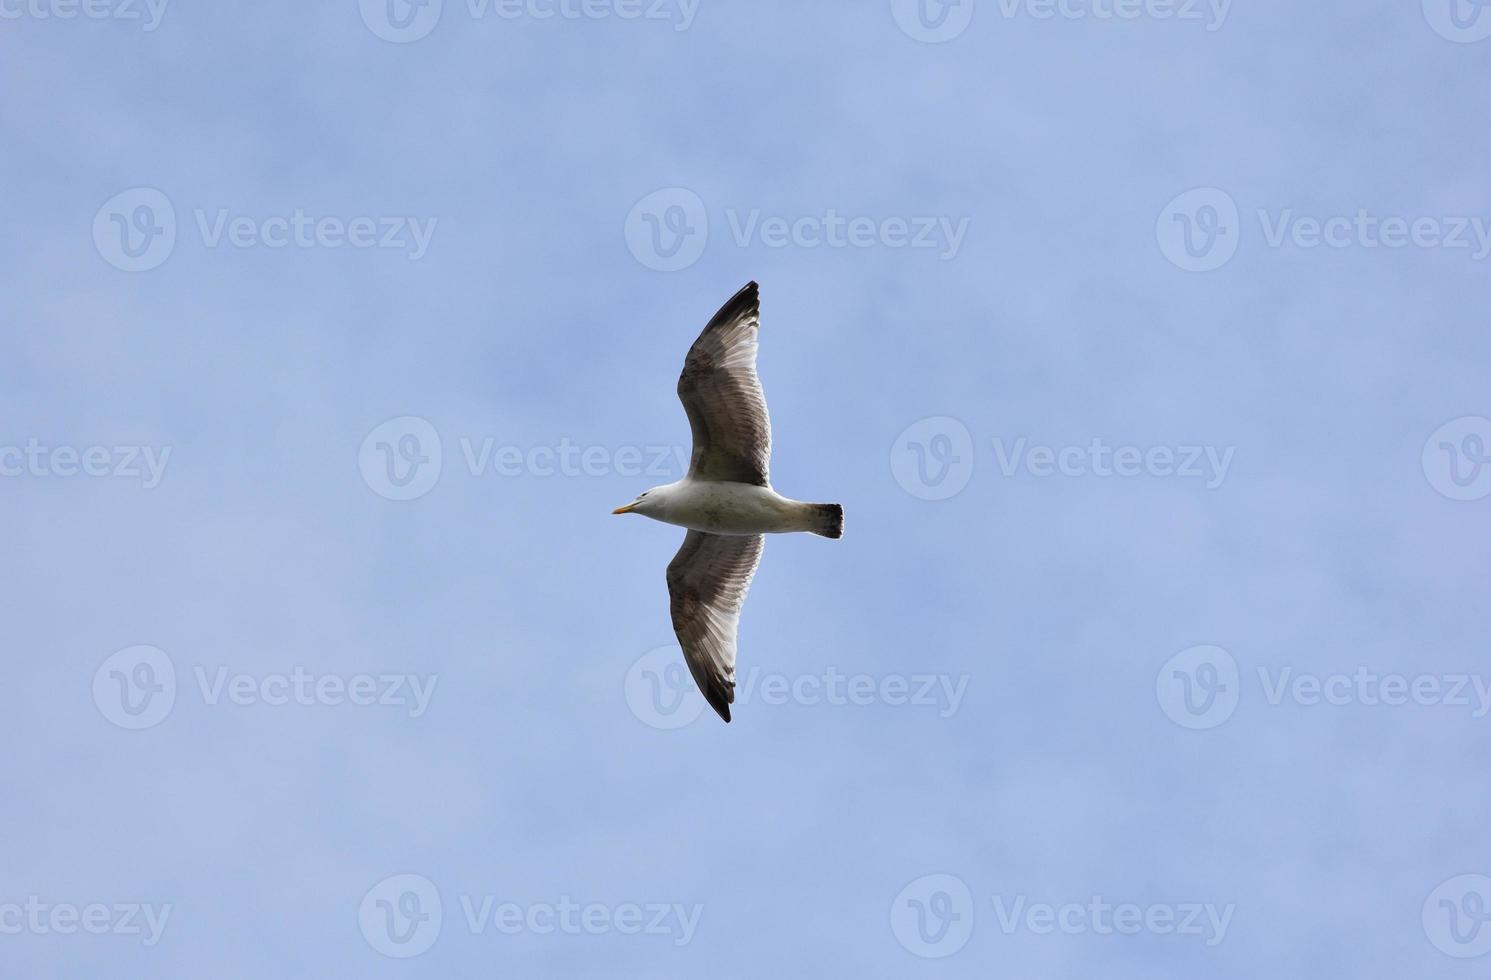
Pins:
<point x="722" y="396"/>
<point x="707" y="583"/>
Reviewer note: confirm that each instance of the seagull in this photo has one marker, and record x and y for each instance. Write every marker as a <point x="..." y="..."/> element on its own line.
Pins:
<point x="725" y="500"/>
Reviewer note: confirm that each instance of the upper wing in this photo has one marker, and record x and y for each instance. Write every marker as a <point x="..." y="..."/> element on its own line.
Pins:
<point x="707" y="583"/>
<point x="722" y="395"/>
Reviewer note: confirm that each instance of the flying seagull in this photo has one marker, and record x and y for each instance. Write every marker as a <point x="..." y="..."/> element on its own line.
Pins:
<point x="725" y="500"/>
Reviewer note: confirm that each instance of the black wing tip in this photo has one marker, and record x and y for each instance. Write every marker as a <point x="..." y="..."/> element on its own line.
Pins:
<point x="748" y="298"/>
<point x="743" y="303"/>
<point x="719" y="699"/>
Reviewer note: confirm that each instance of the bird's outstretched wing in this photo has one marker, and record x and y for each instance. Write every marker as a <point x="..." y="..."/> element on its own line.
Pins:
<point x="707" y="583"/>
<point x="722" y="395"/>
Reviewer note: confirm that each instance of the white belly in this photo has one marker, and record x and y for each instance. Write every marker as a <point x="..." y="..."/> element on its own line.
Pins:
<point x="732" y="508"/>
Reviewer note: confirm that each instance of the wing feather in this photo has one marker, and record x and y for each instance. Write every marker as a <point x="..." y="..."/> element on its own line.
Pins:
<point x="722" y="395"/>
<point x="707" y="584"/>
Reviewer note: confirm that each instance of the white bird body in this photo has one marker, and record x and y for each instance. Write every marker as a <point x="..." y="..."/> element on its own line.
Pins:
<point x="723" y="507"/>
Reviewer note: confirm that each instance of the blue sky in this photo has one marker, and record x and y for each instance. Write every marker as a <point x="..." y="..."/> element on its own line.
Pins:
<point x="1143" y="343"/>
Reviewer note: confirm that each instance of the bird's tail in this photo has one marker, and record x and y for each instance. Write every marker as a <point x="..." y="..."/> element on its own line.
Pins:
<point x="826" y="519"/>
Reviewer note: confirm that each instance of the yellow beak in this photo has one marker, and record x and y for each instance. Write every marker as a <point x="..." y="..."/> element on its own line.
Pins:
<point x="625" y="510"/>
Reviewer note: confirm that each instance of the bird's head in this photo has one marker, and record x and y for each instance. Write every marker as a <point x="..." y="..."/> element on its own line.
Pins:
<point x="649" y="503"/>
